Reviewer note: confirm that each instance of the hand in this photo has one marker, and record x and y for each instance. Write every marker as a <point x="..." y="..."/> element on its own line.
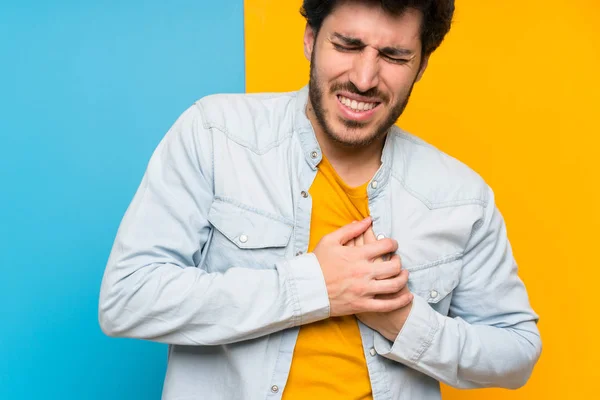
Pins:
<point x="388" y="324"/>
<point x="354" y="283"/>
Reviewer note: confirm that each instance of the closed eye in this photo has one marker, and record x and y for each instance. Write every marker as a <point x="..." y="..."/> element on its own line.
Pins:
<point x="395" y="60"/>
<point x="347" y="49"/>
<point x="339" y="47"/>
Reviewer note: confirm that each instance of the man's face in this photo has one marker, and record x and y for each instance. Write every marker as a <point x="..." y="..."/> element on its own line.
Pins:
<point x="364" y="63"/>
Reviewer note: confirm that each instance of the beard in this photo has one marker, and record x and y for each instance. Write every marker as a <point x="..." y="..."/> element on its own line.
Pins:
<point x="352" y="137"/>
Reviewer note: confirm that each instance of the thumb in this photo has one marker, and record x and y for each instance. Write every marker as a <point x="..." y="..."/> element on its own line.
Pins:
<point x="350" y="231"/>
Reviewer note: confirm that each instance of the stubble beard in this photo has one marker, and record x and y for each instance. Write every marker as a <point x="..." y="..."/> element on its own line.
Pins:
<point x="316" y="92"/>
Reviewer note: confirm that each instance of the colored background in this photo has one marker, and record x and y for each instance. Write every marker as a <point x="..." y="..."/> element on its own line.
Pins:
<point x="89" y="89"/>
<point x="514" y="92"/>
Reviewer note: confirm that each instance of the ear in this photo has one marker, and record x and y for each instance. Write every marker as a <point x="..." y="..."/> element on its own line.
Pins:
<point x="309" y="41"/>
<point x="423" y="67"/>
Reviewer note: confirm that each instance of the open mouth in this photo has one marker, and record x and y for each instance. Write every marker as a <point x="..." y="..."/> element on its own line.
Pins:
<point x="357" y="106"/>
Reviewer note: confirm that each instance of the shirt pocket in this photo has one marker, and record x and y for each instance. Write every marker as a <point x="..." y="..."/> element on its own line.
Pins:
<point x="245" y="237"/>
<point x="435" y="283"/>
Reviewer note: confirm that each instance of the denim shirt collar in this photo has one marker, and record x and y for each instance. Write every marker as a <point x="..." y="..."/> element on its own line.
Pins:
<point x="312" y="151"/>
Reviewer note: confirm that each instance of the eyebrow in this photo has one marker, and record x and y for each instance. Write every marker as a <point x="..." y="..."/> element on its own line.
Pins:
<point x="388" y="50"/>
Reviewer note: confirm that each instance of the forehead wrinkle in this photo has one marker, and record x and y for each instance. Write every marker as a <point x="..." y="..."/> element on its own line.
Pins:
<point x="383" y="32"/>
<point x="391" y="50"/>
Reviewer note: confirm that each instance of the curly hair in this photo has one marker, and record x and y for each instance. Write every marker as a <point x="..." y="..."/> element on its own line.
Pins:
<point x="437" y="16"/>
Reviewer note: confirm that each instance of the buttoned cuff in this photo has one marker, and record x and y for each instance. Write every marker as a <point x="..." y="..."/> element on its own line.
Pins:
<point x="415" y="337"/>
<point x="309" y="292"/>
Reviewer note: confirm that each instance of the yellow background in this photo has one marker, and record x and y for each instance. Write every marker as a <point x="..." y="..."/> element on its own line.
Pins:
<point x="514" y="93"/>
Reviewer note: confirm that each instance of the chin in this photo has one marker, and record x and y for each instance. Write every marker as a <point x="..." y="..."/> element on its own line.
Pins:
<point x="356" y="140"/>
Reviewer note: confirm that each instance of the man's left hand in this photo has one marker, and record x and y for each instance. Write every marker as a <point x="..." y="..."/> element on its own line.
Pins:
<point x="388" y="324"/>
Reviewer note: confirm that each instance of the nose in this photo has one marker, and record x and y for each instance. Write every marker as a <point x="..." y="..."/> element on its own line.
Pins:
<point x="365" y="70"/>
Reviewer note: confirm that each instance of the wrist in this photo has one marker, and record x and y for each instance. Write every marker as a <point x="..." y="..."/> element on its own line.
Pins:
<point x="398" y="323"/>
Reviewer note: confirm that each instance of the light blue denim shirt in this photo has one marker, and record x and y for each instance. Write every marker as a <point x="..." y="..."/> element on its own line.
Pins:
<point x="211" y="259"/>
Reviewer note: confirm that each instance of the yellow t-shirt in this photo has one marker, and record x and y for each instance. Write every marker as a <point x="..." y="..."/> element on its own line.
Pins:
<point x="329" y="362"/>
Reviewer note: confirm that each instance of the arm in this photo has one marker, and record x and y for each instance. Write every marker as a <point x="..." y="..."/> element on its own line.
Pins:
<point x="491" y="338"/>
<point x="152" y="288"/>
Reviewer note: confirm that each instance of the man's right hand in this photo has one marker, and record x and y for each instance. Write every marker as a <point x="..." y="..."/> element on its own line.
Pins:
<point x="352" y="279"/>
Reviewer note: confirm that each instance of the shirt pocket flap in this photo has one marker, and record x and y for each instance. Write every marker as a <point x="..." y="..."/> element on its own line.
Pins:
<point x="249" y="229"/>
<point x="436" y="282"/>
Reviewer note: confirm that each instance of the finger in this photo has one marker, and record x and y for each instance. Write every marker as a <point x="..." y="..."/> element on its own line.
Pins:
<point x="359" y="240"/>
<point x="388" y="269"/>
<point x="351" y="242"/>
<point x="388" y="305"/>
<point x="392" y="296"/>
<point x="370" y="235"/>
<point x="380" y="248"/>
<point x="371" y="238"/>
<point x="391" y="285"/>
<point x="350" y="231"/>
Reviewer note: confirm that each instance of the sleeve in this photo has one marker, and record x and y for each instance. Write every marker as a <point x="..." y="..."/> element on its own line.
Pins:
<point x="490" y="338"/>
<point x="152" y="287"/>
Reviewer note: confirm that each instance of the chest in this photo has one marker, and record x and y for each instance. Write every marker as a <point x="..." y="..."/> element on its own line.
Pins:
<point x="250" y="233"/>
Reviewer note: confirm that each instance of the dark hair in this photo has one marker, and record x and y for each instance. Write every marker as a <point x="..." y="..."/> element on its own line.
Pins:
<point x="437" y="16"/>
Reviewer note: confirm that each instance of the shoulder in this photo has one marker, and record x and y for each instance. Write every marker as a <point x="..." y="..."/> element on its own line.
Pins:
<point x="434" y="177"/>
<point x="257" y="121"/>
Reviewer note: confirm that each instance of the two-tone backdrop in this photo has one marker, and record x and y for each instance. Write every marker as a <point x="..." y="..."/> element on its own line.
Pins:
<point x="88" y="89"/>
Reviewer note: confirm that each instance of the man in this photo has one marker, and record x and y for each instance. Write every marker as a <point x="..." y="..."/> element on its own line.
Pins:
<point x="301" y="246"/>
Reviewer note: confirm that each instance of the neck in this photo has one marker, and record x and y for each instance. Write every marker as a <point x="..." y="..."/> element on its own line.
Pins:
<point x="355" y="165"/>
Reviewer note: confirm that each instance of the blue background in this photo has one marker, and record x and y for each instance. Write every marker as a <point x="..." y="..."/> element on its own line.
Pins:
<point x="88" y="89"/>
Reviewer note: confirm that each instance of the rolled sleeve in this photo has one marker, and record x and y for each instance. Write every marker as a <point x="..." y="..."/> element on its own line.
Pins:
<point x="490" y="338"/>
<point x="307" y="285"/>
<point x="415" y="337"/>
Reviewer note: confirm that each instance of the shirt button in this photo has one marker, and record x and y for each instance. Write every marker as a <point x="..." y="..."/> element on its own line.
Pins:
<point x="274" y="388"/>
<point x="304" y="194"/>
<point x="314" y="154"/>
<point x="380" y="236"/>
<point x="433" y="294"/>
<point x="374" y="184"/>
<point x="243" y="238"/>
<point x="372" y="352"/>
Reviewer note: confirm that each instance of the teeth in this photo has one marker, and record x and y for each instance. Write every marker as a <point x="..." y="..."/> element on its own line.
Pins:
<point x="356" y="106"/>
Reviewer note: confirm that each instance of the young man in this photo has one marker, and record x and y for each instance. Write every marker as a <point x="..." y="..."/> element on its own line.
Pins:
<point x="301" y="246"/>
